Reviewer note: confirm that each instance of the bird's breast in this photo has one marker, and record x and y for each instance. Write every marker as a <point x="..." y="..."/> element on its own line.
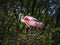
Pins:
<point x="26" y="19"/>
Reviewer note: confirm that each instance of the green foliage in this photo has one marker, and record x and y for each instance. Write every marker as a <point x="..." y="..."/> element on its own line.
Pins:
<point x="14" y="32"/>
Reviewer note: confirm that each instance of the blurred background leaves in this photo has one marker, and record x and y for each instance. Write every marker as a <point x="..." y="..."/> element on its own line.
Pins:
<point x="14" y="32"/>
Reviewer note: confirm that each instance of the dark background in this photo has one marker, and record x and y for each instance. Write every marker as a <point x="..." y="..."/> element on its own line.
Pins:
<point x="14" y="32"/>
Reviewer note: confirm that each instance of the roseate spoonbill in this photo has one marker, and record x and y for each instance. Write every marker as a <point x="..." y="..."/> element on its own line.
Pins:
<point x="31" y="21"/>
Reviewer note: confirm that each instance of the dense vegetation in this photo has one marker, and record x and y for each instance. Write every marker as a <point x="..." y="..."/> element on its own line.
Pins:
<point x="14" y="32"/>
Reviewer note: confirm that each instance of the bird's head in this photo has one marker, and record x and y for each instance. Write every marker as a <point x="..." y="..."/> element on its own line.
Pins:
<point x="21" y="15"/>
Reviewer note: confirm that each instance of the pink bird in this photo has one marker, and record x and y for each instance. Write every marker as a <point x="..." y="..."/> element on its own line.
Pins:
<point x="31" y="21"/>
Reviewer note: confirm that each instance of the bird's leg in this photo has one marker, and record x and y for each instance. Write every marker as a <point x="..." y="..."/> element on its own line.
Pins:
<point x="27" y="26"/>
<point x="38" y="30"/>
<point x="30" y="30"/>
<point x="34" y="30"/>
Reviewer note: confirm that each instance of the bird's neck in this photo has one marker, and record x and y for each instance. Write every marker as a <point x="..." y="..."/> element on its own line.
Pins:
<point x="22" y="20"/>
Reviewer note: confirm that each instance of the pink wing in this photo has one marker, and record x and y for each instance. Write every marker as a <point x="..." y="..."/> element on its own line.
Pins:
<point x="33" y="23"/>
<point x="36" y="24"/>
<point x="31" y="18"/>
